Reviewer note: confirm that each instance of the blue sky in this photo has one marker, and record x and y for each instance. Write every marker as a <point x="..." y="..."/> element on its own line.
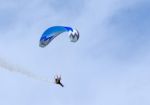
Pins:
<point x="109" y="65"/>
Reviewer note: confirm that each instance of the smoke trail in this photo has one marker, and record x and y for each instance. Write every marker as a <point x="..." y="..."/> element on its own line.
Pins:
<point x="13" y="68"/>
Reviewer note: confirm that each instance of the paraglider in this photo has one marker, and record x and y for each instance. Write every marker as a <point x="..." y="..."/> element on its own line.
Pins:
<point x="54" y="31"/>
<point x="51" y="33"/>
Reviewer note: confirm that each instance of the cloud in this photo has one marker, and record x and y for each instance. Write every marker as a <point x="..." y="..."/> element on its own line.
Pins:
<point x="123" y="34"/>
<point x="108" y="65"/>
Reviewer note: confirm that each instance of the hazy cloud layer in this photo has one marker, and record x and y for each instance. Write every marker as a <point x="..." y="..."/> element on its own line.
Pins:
<point x="108" y="65"/>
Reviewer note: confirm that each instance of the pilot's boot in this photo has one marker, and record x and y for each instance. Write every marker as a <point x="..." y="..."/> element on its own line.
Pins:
<point x="61" y="84"/>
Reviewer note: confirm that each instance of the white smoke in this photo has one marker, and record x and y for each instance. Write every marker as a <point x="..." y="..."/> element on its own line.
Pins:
<point x="14" y="68"/>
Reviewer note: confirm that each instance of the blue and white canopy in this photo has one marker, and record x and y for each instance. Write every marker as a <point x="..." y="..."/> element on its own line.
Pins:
<point x="54" y="31"/>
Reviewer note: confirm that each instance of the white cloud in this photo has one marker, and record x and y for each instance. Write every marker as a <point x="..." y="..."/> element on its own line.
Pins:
<point x="99" y="69"/>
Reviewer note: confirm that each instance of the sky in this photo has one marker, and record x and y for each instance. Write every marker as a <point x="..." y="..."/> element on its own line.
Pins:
<point x="109" y="65"/>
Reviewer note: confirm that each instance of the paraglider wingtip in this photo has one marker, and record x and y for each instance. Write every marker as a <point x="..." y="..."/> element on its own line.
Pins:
<point x="42" y="46"/>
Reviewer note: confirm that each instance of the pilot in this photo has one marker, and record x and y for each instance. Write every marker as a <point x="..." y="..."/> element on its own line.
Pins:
<point x="57" y="81"/>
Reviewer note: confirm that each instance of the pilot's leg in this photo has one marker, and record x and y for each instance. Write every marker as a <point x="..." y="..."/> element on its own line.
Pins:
<point x="61" y="85"/>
